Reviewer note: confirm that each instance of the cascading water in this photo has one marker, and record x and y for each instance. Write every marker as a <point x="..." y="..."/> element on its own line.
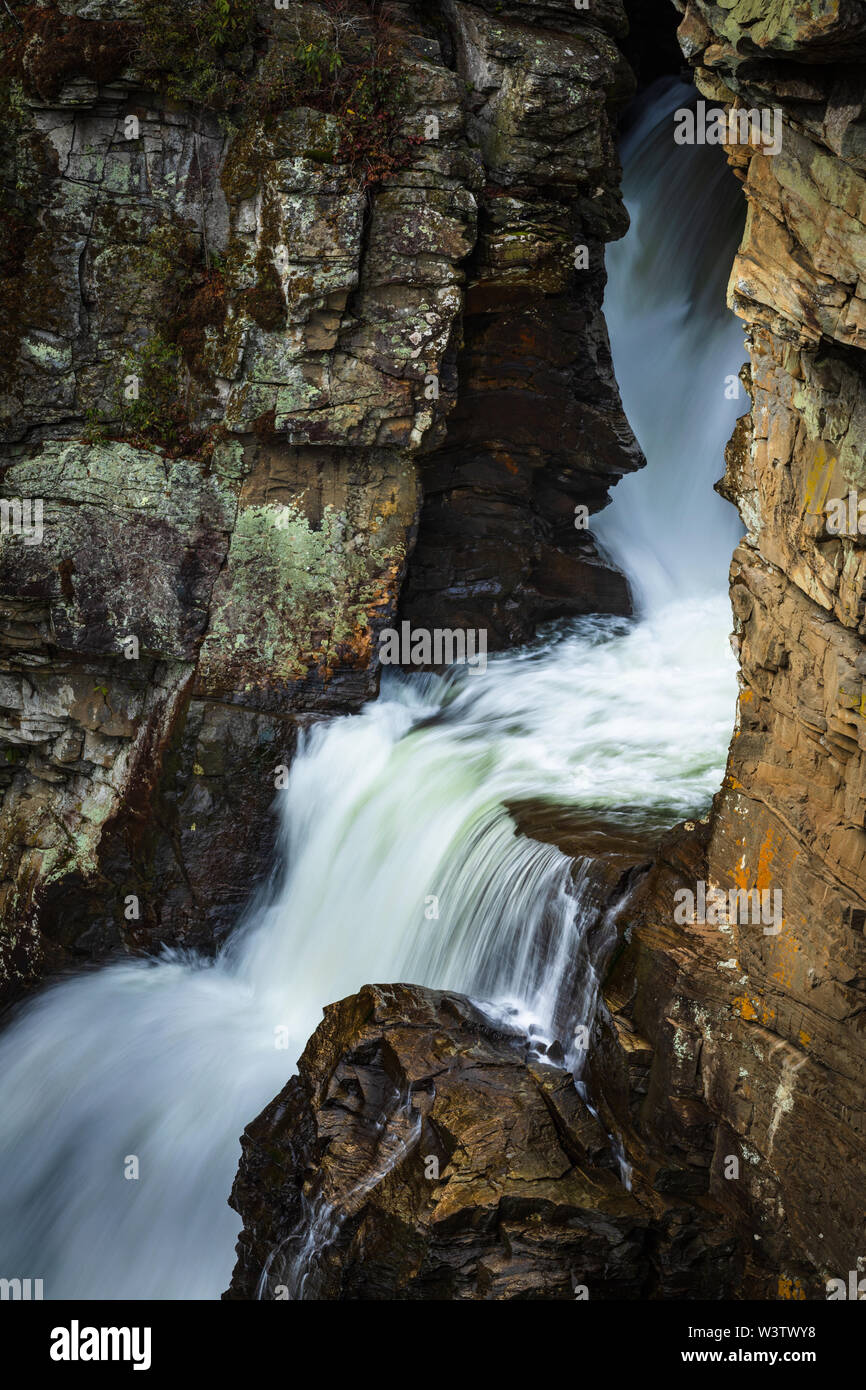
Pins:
<point x="677" y="350"/>
<point x="400" y="859"/>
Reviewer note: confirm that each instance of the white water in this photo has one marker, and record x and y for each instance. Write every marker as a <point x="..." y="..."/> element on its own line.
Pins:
<point x="169" y="1059"/>
<point x="675" y="349"/>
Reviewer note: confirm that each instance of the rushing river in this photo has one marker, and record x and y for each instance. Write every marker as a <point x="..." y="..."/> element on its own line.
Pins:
<point x="399" y="858"/>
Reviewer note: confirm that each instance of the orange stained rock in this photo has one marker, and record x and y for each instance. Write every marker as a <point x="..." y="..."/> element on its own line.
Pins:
<point x="818" y="479"/>
<point x="791" y="1288"/>
<point x="771" y="844"/>
<point x="743" y="1006"/>
<point x="753" y="1010"/>
<point x="766" y="855"/>
<point x="786" y="951"/>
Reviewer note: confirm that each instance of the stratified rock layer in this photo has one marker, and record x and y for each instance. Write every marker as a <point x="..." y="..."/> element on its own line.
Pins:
<point x="537" y="430"/>
<point x="421" y="1153"/>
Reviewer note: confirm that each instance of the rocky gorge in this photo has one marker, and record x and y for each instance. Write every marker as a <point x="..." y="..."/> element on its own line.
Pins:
<point x="302" y="325"/>
<point x="304" y="337"/>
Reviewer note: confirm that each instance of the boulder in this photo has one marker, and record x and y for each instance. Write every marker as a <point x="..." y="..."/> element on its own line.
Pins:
<point x="424" y="1152"/>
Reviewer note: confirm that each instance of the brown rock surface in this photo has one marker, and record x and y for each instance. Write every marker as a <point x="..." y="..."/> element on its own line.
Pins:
<point x="421" y="1153"/>
<point x="538" y="427"/>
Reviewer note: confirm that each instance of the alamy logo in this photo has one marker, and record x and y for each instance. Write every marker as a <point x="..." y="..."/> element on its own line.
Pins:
<point x="444" y="646"/>
<point x="23" y="1289"/>
<point x="855" y="1291"/>
<point x="737" y="126"/>
<point x="75" y="1343"/>
<point x="846" y="516"/>
<point x="714" y="907"/>
<point x="22" y="517"/>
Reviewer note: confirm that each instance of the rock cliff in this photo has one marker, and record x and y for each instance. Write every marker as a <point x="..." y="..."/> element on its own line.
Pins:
<point x="303" y="333"/>
<point x="285" y="288"/>
<point x="750" y="1037"/>
<point x="728" y="1052"/>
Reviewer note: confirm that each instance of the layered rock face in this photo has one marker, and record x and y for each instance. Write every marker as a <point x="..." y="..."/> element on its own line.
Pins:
<point x="254" y="262"/>
<point x="735" y="1048"/>
<point x="537" y="429"/>
<point x="422" y="1153"/>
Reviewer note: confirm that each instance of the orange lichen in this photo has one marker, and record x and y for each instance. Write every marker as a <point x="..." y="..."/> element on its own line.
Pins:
<point x="791" y="1288"/>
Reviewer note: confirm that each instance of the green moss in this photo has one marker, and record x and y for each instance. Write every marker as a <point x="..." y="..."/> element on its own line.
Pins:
<point x="185" y="300"/>
<point x="266" y="303"/>
<point x="25" y="168"/>
<point x="247" y="154"/>
<point x="364" y="88"/>
<point x="45" y="48"/>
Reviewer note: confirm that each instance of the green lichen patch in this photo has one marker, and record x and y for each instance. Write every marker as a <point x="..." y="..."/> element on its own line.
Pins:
<point x="304" y="588"/>
<point x="133" y="543"/>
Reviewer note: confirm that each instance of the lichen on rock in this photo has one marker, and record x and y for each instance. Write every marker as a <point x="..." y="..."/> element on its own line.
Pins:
<point x="236" y="287"/>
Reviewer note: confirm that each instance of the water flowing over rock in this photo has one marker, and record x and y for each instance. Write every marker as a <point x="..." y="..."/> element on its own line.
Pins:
<point x="303" y="335"/>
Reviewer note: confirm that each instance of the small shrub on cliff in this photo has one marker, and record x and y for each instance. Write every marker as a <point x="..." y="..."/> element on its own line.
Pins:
<point x="370" y="121"/>
<point x="364" y="88"/>
<point x="196" y="51"/>
<point x="153" y="411"/>
<point x="206" y="308"/>
<point x="192" y="300"/>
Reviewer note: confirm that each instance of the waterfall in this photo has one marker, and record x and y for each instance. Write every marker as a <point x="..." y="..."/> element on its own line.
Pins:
<point x="399" y="858"/>
<point x="676" y="352"/>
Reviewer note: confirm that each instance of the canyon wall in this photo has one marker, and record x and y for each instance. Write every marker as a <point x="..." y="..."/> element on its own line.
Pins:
<point x="284" y="290"/>
<point x="731" y="1052"/>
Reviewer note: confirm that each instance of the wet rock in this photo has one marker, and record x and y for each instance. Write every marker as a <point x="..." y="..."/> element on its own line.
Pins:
<point x="615" y="840"/>
<point x="538" y="430"/>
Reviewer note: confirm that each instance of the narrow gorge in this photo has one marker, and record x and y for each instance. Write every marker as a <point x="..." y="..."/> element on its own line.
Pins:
<point x="333" y="969"/>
